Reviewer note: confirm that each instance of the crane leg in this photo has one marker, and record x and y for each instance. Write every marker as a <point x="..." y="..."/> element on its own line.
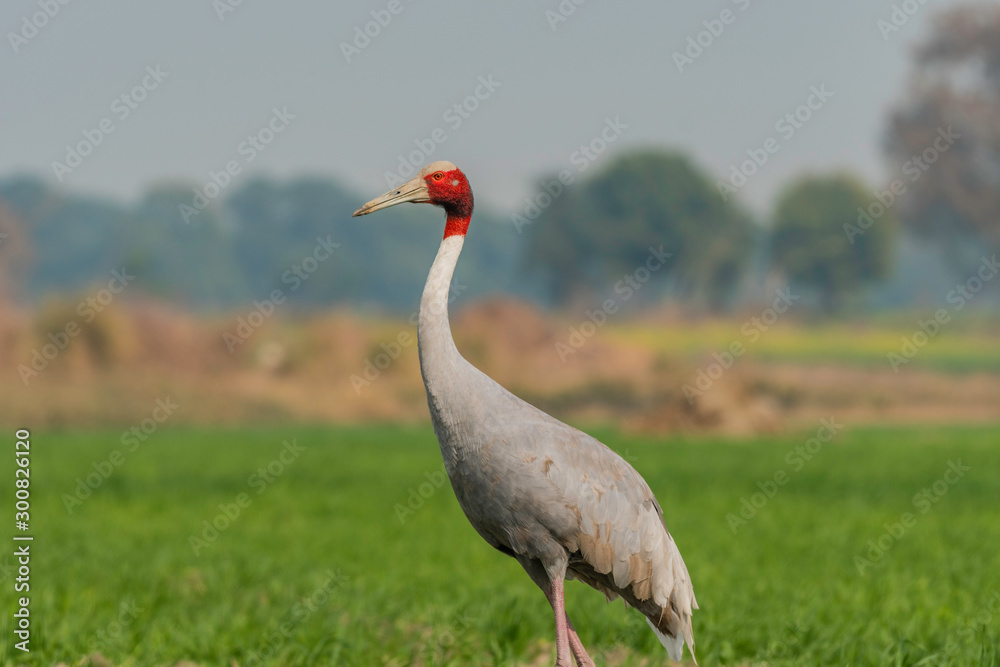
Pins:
<point x="580" y="653"/>
<point x="558" y="602"/>
<point x="550" y="578"/>
<point x="575" y="645"/>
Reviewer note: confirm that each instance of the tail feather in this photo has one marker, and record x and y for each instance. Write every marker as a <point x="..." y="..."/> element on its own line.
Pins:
<point x="674" y="645"/>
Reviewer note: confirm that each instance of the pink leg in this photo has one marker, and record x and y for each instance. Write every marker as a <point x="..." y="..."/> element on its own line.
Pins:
<point x="580" y="653"/>
<point x="558" y="602"/>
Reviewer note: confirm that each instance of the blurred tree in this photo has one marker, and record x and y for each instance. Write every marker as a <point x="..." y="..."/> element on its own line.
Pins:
<point x="809" y="243"/>
<point x="377" y="262"/>
<point x="955" y="93"/>
<point x="595" y="233"/>
<point x="262" y="236"/>
<point x="76" y="239"/>
<point x="187" y="260"/>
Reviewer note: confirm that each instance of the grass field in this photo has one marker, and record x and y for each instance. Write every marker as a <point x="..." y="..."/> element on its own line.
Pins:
<point x="326" y="564"/>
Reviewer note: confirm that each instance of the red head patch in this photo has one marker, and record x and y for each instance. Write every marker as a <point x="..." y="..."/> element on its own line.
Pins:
<point x="449" y="189"/>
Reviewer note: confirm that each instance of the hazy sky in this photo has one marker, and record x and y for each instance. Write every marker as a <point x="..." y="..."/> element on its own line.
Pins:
<point x="223" y="77"/>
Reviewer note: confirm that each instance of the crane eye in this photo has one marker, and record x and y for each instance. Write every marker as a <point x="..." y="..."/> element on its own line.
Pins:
<point x="438" y="176"/>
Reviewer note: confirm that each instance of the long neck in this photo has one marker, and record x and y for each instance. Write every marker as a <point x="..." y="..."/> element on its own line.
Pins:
<point x="438" y="354"/>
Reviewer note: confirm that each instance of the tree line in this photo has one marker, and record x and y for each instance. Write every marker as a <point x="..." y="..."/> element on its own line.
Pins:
<point x="830" y="236"/>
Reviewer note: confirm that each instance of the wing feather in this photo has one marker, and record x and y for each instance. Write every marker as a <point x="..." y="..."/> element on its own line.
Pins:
<point x="621" y="532"/>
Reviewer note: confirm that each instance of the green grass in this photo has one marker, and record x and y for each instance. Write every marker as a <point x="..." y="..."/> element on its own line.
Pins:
<point x="785" y="589"/>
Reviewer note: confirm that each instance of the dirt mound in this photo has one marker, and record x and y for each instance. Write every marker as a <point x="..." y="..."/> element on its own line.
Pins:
<point x="731" y="407"/>
<point x="512" y="323"/>
<point x="342" y="367"/>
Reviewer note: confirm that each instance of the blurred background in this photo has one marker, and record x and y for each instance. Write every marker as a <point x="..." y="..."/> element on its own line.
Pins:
<point x="718" y="235"/>
<point x="169" y="170"/>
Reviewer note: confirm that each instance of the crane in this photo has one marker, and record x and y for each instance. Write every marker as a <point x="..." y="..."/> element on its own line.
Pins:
<point x="560" y="502"/>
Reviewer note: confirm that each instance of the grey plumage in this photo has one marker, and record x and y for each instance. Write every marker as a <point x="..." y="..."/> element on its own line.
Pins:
<point x="560" y="502"/>
<point x="540" y="490"/>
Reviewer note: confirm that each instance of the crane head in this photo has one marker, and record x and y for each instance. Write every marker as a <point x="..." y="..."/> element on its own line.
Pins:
<point x="440" y="183"/>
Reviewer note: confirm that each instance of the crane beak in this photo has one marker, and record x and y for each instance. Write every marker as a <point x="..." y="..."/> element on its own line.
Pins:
<point x="414" y="191"/>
